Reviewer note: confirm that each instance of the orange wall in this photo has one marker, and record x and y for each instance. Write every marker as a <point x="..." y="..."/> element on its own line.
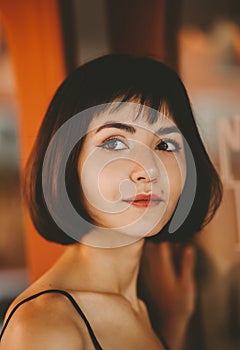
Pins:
<point x="34" y="40"/>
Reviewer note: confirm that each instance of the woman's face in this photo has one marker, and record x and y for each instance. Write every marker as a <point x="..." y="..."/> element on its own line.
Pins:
<point x="131" y="172"/>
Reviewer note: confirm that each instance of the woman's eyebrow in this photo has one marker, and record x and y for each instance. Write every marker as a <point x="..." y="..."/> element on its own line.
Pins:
<point x="168" y="130"/>
<point x="121" y="126"/>
<point x="129" y="128"/>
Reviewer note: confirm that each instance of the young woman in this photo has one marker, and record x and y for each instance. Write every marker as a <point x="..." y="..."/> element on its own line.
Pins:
<point x="118" y="161"/>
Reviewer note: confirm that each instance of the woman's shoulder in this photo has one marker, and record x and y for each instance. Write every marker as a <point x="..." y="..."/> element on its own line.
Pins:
<point x="41" y="320"/>
<point x="35" y="299"/>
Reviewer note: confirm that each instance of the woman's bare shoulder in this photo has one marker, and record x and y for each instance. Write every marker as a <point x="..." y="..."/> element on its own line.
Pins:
<point x="44" y="322"/>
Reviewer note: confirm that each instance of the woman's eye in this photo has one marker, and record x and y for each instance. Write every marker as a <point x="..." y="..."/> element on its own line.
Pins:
<point x="113" y="144"/>
<point x="168" y="146"/>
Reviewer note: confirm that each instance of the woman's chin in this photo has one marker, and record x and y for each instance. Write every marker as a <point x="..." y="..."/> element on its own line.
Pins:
<point x="102" y="237"/>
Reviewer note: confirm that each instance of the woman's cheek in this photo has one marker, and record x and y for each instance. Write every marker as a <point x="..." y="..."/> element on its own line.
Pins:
<point x="102" y="186"/>
<point x="114" y="182"/>
<point x="108" y="184"/>
<point x="176" y="177"/>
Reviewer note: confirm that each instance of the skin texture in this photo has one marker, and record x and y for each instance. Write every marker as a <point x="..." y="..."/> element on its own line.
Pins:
<point x="116" y="165"/>
<point x="102" y="274"/>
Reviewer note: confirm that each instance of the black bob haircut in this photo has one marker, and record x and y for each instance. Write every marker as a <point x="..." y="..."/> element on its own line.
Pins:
<point x="104" y="80"/>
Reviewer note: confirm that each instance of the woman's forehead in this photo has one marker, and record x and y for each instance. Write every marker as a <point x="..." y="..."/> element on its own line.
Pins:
<point x="132" y="113"/>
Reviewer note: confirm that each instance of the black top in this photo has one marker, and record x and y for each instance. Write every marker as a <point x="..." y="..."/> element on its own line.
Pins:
<point x="76" y="306"/>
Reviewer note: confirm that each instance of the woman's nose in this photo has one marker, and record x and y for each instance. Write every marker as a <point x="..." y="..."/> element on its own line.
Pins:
<point x="146" y="168"/>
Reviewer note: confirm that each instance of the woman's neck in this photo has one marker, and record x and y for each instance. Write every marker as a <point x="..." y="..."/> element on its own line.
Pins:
<point x="106" y="270"/>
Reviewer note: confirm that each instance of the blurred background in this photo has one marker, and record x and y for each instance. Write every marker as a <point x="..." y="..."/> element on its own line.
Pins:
<point x="43" y="40"/>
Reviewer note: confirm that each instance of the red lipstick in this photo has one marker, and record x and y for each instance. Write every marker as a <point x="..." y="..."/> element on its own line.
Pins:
<point x="144" y="200"/>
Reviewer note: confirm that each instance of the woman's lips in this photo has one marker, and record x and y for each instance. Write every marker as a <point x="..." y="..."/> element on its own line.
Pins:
<point x="143" y="200"/>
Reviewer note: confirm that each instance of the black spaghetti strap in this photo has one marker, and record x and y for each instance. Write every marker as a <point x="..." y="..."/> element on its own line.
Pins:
<point x="73" y="302"/>
<point x="164" y="343"/>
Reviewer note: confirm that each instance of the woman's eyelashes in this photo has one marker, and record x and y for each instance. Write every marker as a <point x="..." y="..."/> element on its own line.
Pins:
<point x="113" y="144"/>
<point x="168" y="145"/>
<point x="119" y="144"/>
